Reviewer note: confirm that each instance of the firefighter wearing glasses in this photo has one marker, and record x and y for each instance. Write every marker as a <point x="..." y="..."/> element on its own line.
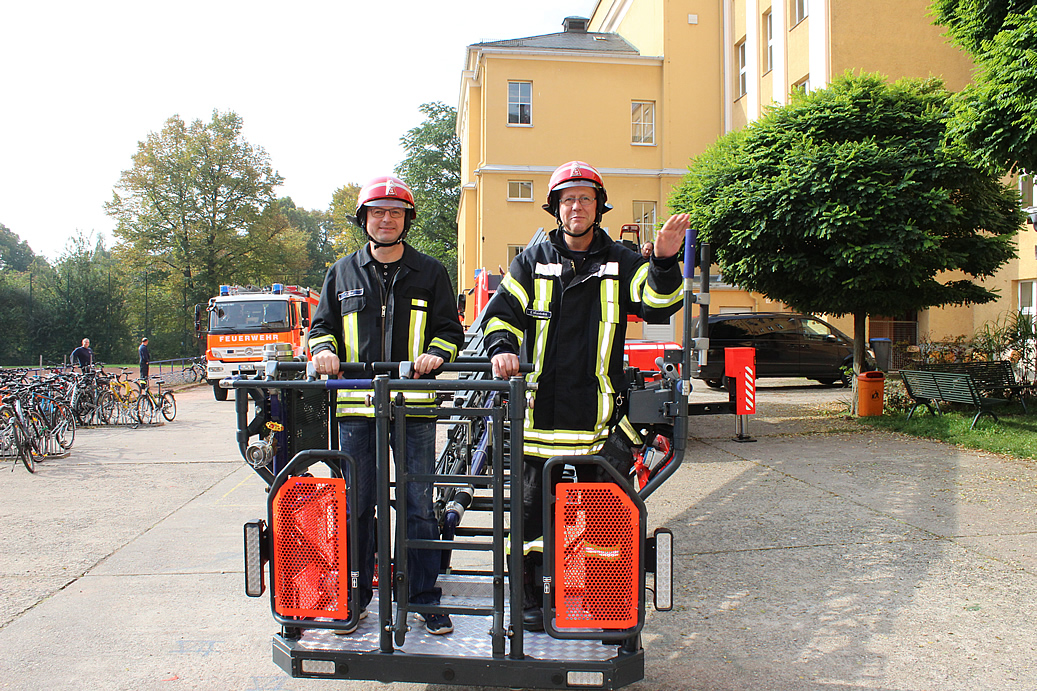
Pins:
<point x="389" y="302"/>
<point x="566" y="302"/>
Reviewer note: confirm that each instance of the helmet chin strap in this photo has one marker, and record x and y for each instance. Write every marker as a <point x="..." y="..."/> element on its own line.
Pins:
<point x="379" y="245"/>
<point x="565" y="230"/>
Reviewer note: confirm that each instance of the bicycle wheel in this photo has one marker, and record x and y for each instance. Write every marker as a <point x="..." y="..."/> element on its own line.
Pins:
<point x="12" y="438"/>
<point x="107" y="408"/>
<point x="36" y="438"/>
<point x="146" y="410"/>
<point x="190" y="375"/>
<point x="64" y="427"/>
<point x="168" y="406"/>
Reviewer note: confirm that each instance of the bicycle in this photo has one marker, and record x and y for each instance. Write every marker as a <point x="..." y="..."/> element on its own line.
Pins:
<point x="14" y="440"/>
<point x="193" y="371"/>
<point x="119" y="402"/>
<point x="149" y="405"/>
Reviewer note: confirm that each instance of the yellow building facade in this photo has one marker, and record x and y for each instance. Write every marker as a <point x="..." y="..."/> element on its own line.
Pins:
<point x="642" y="86"/>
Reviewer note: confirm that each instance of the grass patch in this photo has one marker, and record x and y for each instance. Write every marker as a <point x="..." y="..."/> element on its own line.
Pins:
<point x="1015" y="434"/>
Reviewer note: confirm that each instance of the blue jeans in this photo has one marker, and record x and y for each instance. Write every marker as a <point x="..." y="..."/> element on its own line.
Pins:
<point x="357" y="438"/>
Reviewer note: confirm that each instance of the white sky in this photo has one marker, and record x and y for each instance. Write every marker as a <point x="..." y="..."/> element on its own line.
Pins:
<point x="326" y="87"/>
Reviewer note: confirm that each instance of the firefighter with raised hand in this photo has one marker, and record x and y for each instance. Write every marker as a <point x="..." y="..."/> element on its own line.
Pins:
<point x="566" y="302"/>
<point x="389" y="302"/>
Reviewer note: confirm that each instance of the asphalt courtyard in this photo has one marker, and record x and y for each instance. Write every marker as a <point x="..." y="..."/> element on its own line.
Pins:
<point x="823" y="556"/>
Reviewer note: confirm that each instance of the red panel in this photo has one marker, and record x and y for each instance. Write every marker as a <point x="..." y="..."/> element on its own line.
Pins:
<point x="309" y="533"/>
<point x="597" y="557"/>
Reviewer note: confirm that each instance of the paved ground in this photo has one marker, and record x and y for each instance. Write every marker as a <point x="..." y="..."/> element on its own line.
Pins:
<point x="821" y="557"/>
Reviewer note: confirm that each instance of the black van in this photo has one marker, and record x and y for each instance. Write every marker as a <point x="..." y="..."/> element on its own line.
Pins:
<point x="787" y="345"/>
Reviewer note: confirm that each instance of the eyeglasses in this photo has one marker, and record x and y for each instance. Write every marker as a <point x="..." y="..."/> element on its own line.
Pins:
<point x="378" y="212"/>
<point x="584" y="201"/>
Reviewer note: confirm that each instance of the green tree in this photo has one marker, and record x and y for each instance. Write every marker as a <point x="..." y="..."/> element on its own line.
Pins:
<point x="432" y="169"/>
<point x="194" y="202"/>
<point x="91" y="302"/>
<point x="996" y="115"/>
<point x="850" y="201"/>
<point x="318" y="230"/>
<point x="15" y="253"/>
<point x="346" y="236"/>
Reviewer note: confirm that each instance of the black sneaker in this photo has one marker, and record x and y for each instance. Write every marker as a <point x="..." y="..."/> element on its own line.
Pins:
<point x="350" y="629"/>
<point x="438" y="624"/>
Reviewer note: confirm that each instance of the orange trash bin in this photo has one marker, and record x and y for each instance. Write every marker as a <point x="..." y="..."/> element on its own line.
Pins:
<point x="870" y="390"/>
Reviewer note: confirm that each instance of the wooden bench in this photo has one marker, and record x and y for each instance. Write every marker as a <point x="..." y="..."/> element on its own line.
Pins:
<point x="994" y="377"/>
<point x="929" y="388"/>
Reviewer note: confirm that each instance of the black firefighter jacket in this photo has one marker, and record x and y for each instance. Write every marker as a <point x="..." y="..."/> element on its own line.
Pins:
<point x="571" y="320"/>
<point x="363" y="322"/>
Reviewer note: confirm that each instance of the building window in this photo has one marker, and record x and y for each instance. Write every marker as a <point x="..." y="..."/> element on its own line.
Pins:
<point x="799" y="11"/>
<point x="742" y="84"/>
<point x="1026" y="187"/>
<point x="642" y="122"/>
<point x="803" y="84"/>
<point x="520" y="103"/>
<point x="768" y="36"/>
<point x="644" y="217"/>
<point x="520" y="190"/>
<point x="514" y="251"/>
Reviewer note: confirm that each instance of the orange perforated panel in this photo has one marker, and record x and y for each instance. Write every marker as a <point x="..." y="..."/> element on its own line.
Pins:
<point x="596" y="557"/>
<point x="309" y="535"/>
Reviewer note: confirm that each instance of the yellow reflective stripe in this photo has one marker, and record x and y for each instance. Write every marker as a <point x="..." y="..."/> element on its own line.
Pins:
<point x="512" y="286"/>
<point x="354" y="401"/>
<point x="449" y="347"/>
<point x="543" y="292"/>
<point x="565" y="437"/>
<point x="418" y="319"/>
<point x="651" y="298"/>
<point x="496" y="324"/>
<point x="351" y="337"/>
<point x="629" y="431"/>
<point x="638" y="282"/>
<point x="327" y="338"/>
<point x="606" y="340"/>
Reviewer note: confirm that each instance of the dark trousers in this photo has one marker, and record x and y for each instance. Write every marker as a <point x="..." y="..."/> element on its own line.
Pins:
<point x="357" y="438"/>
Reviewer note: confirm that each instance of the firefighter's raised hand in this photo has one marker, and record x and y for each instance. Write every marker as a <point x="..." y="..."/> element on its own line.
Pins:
<point x="326" y="362"/>
<point x="670" y="237"/>
<point x="505" y="365"/>
<point x="426" y="362"/>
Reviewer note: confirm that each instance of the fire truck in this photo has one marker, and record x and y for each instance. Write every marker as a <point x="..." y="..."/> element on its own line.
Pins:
<point x="601" y="565"/>
<point x="243" y="320"/>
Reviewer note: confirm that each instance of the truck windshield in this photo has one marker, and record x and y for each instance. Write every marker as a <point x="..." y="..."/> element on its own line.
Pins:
<point x="251" y="315"/>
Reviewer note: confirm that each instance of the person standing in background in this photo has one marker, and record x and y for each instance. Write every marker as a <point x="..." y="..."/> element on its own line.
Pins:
<point x="145" y="357"/>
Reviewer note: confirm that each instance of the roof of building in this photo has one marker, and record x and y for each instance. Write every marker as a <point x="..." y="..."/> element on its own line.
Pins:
<point x="571" y="39"/>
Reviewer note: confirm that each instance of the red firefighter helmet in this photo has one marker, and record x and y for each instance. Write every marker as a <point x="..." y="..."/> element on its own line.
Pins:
<point x="387" y="191"/>
<point x="576" y="174"/>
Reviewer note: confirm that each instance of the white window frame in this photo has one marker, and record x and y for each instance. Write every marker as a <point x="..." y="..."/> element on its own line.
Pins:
<point x="515" y="189"/>
<point x="768" y="28"/>
<point x="642" y="123"/>
<point x="523" y="98"/>
<point x="800" y="11"/>
<point x="1027" y="297"/>
<point x="803" y="83"/>
<point x="1027" y="189"/>
<point x="644" y="217"/>
<point x="743" y="84"/>
<point x="514" y="251"/>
